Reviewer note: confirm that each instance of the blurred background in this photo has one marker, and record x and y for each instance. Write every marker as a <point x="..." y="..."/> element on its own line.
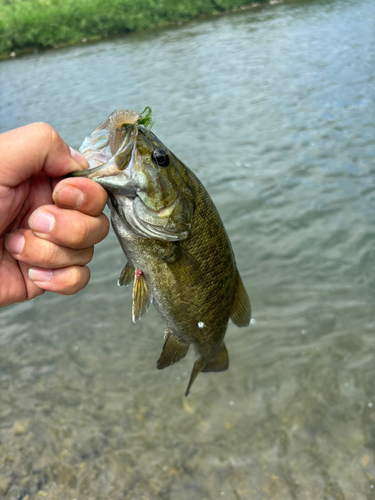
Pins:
<point x="273" y="108"/>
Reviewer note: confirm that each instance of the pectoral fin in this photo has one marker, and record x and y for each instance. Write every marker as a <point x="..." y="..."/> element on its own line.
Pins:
<point x="141" y="297"/>
<point x="173" y="350"/>
<point x="241" y="308"/>
<point x="126" y="276"/>
<point x="182" y="263"/>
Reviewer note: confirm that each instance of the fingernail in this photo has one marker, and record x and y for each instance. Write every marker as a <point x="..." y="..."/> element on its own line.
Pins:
<point x="67" y="195"/>
<point x="40" y="274"/>
<point x="15" y="243"/>
<point x="41" y="221"/>
<point x="79" y="158"/>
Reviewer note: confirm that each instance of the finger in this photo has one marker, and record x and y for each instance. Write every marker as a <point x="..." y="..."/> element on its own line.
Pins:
<point x="65" y="281"/>
<point x="37" y="147"/>
<point x="26" y="247"/>
<point x="68" y="228"/>
<point x="81" y="194"/>
<point x="15" y="285"/>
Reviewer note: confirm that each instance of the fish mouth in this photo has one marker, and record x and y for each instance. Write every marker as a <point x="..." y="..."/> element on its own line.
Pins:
<point x="109" y="152"/>
<point x="114" y="151"/>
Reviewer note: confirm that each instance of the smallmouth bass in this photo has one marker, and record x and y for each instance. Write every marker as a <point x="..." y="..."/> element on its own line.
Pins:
<point x="179" y="256"/>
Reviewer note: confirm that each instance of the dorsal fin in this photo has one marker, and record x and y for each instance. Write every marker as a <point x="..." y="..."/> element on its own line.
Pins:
<point x="241" y="308"/>
<point x="141" y="297"/>
<point x="218" y="364"/>
<point x="173" y="350"/>
<point x="126" y="276"/>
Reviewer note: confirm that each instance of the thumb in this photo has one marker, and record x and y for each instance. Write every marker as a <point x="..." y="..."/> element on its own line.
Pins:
<point x="35" y="148"/>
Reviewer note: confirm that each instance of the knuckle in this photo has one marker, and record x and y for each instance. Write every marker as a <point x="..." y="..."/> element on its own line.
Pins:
<point x="104" y="224"/>
<point x="75" y="280"/>
<point x="48" y="253"/>
<point x="38" y="251"/>
<point x="9" y="295"/>
<point x="88" y="255"/>
<point x="48" y="132"/>
<point x="78" y="279"/>
<point x="80" y="232"/>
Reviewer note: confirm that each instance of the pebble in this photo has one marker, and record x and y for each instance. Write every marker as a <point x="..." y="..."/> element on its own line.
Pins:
<point x="4" y="484"/>
<point x="20" y="427"/>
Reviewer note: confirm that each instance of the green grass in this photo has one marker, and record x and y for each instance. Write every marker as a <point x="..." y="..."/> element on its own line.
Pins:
<point x="26" y="25"/>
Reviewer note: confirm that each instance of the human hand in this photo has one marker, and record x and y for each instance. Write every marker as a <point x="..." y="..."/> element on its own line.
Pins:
<point x="48" y="226"/>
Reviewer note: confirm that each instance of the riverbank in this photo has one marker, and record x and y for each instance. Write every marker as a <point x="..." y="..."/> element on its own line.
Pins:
<point x="29" y="25"/>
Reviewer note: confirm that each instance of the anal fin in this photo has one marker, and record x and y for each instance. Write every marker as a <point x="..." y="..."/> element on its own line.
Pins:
<point x="141" y="297"/>
<point x="126" y="276"/>
<point x="241" y="308"/>
<point x="218" y="364"/>
<point x="173" y="350"/>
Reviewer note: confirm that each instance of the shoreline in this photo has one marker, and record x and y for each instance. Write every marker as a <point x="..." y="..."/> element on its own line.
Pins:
<point x="32" y="25"/>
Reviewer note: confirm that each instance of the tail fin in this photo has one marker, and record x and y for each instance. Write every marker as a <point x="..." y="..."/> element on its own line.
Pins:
<point x="218" y="364"/>
<point x="196" y="369"/>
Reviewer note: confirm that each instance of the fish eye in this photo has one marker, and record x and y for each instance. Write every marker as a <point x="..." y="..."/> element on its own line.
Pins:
<point x="160" y="157"/>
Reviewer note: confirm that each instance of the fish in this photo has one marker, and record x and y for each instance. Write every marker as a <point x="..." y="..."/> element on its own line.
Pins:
<point x="179" y="257"/>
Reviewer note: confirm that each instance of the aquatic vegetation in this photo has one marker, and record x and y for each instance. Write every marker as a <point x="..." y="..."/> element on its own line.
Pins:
<point x="27" y="25"/>
<point x="146" y="120"/>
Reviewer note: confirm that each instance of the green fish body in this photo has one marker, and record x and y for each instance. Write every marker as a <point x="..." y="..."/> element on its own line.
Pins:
<point x="178" y="252"/>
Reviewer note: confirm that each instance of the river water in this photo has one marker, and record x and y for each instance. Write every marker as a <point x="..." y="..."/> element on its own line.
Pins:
<point x="273" y="108"/>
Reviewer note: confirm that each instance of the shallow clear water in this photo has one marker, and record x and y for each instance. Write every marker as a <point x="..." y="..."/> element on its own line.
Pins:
<point x="274" y="109"/>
